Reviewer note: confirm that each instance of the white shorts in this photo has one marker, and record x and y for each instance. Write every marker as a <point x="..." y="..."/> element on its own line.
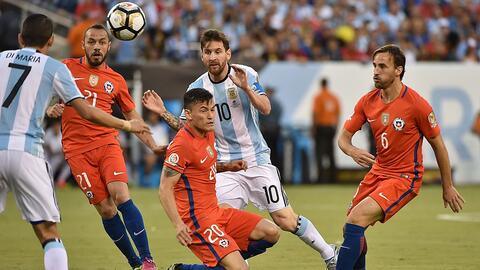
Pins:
<point x="259" y="185"/>
<point x="28" y="177"/>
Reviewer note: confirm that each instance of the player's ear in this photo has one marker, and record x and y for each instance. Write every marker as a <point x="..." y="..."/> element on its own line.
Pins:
<point x="188" y="114"/>
<point x="229" y="54"/>
<point x="399" y="70"/>
<point x="20" y="40"/>
<point x="50" y="41"/>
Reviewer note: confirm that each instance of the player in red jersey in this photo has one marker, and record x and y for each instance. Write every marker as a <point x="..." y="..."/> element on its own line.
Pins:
<point x="94" y="153"/>
<point x="220" y="237"/>
<point x="399" y="118"/>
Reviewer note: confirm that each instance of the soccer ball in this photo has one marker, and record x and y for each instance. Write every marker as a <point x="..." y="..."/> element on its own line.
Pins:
<point x="126" y="21"/>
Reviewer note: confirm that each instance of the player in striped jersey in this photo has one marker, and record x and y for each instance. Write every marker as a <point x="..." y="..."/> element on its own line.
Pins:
<point x="29" y="80"/>
<point x="238" y="98"/>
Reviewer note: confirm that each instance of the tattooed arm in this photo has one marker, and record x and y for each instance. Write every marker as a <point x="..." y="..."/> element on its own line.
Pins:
<point x="152" y="101"/>
<point x="167" y="198"/>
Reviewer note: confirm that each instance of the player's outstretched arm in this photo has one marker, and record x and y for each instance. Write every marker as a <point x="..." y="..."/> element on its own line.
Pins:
<point x="56" y="110"/>
<point x="260" y="102"/>
<point x="152" y="101"/>
<point x="100" y="117"/>
<point x="451" y="196"/>
<point x="360" y="156"/>
<point x="145" y="137"/>
<point x="167" y="198"/>
<point x="232" y="166"/>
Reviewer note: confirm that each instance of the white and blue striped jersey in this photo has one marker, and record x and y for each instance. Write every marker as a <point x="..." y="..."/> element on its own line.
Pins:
<point x="28" y="81"/>
<point x="237" y="132"/>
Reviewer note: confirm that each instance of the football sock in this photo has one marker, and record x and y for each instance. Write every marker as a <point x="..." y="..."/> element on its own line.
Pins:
<point x="55" y="255"/>
<point x="351" y="247"/>
<point x="309" y="234"/>
<point x="200" y="267"/>
<point x="255" y="248"/>
<point x="134" y="223"/>
<point x="361" y="261"/>
<point x="117" y="232"/>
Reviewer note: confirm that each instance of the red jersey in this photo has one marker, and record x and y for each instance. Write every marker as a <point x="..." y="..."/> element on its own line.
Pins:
<point x="101" y="88"/>
<point x="398" y="128"/>
<point x="195" y="158"/>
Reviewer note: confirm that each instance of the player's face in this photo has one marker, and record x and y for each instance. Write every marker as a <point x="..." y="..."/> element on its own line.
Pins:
<point x="96" y="46"/>
<point x="202" y="116"/>
<point x="384" y="71"/>
<point x="215" y="57"/>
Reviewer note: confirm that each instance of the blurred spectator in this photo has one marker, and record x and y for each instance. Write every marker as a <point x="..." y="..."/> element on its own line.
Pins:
<point x="94" y="9"/>
<point x="9" y="27"/>
<point x="326" y="112"/>
<point x="271" y="128"/>
<point x="476" y="125"/>
<point x="75" y="35"/>
<point x="54" y="154"/>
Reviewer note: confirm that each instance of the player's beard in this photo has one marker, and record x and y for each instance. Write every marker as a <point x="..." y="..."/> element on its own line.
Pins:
<point x="218" y="69"/>
<point x="383" y="84"/>
<point x="95" y="63"/>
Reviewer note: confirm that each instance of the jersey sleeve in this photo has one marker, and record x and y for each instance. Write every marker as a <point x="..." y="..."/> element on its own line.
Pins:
<point x="176" y="156"/>
<point x="426" y="120"/>
<point x="357" y="119"/>
<point x="64" y="85"/>
<point x="254" y="82"/>
<point x="123" y="98"/>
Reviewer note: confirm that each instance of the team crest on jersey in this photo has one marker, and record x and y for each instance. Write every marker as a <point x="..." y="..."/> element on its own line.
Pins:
<point x="224" y="243"/>
<point x="108" y="86"/>
<point x="398" y="124"/>
<point x="93" y="80"/>
<point x="89" y="194"/>
<point x="210" y="151"/>
<point x="232" y="93"/>
<point x="385" y="118"/>
<point x="432" y="120"/>
<point x="173" y="159"/>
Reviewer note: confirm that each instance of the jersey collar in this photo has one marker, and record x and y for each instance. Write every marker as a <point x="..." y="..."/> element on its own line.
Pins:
<point x="221" y="81"/>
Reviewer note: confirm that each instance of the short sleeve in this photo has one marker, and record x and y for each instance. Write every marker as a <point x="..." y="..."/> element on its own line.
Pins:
<point x="123" y="98"/>
<point x="176" y="157"/>
<point x="357" y="119"/>
<point x="64" y="85"/>
<point x="426" y="120"/>
<point x="254" y="82"/>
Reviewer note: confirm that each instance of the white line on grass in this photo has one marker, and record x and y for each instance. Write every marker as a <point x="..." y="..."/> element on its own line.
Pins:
<point x="461" y="217"/>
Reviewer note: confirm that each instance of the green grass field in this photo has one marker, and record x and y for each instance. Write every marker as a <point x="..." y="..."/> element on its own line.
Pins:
<point x="414" y="239"/>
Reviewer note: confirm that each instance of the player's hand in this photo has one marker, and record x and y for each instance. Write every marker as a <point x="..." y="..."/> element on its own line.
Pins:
<point x="183" y="234"/>
<point x="152" y="101"/>
<point x="452" y="198"/>
<point x="137" y="126"/>
<point x="237" y="165"/>
<point x="160" y="150"/>
<point x="55" y="110"/>
<point x="239" y="78"/>
<point x="362" y="157"/>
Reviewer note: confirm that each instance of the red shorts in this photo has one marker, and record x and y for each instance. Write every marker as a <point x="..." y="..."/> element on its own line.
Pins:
<point x="216" y="236"/>
<point x="94" y="169"/>
<point x="392" y="194"/>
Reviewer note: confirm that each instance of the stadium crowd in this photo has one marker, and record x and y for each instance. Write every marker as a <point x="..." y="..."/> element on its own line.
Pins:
<point x="302" y="30"/>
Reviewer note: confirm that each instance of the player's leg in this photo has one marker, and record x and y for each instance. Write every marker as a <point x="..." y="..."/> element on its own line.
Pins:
<point x="114" y="171"/>
<point x="266" y="192"/>
<point x="232" y="261"/>
<point x="89" y="180"/>
<point x="34" y="194"/>
<point x="114" y="227"/>
<point x="264" y="236"/>
<point x="353" y="248"/>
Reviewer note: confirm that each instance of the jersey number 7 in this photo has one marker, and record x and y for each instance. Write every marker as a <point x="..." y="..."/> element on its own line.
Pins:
<point x="16" y="87"/>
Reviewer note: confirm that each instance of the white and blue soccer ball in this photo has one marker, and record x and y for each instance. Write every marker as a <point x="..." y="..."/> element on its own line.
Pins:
<point x="126" y="21"/>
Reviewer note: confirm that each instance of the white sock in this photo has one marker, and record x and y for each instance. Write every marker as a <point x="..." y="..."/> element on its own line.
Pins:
<point x="55" y="257"/>
<point x="309" y="234"/>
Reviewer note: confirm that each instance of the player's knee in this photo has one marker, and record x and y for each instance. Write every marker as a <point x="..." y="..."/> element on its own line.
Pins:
<point x="242" y="266"/>
<point x="106" y="211"/>
<point x="272" y="233"/>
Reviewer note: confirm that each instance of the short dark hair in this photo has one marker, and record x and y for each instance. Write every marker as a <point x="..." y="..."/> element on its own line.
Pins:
<point x="214" y="35"/>
<point x="97" y="26"/>
<point x="194" y="96"/>
<point x="36" y="30"/>
<point x="324" y="82"/>
<point x="396" y="52"/>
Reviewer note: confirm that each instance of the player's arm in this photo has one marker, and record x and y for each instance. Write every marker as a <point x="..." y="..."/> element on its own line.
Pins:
<point x="451" y="197"/>
<point x="260" y="102"/>
<point x="360" y="156"/>
<point x="232" y="166"/>
<point x="167" y="198"/>
<point x="152" y="101"/>
<point x="476" y="125"/>
<point x="145" y="137"/>
<point x="102" y="118"/>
